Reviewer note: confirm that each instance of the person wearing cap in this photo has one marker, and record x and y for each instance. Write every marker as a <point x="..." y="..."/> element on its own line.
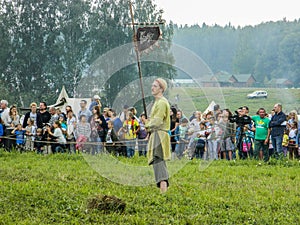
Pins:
<point x="95" y="101"/>
<point x="159" y="142"/>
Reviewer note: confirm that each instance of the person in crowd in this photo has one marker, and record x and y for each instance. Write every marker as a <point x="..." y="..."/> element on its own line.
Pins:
<point x="159" y="142"/>
<point x="130" y="128"/>
<point x="123" y="114"/>
<point x="82" y="132"/>
<point x="181" y="138"/>
<point x="95" y="101"/>
<point x="201" y="141"/>
<point x="14" y="118"/>
<point x="117" y="123"/>
<point x="45" y="115"/>
<point x="98" y="129"/>
<point x="248" y="136"/>
<point x="6" y="123"/>
<point x="69" y="108"/>
<point x="111" y="140"/>
<point x="63" y="124"/>
<point x="36" y="117"/>
<point x="173" y="126"/>
<point x="193" y="116"/>
<point x="30" y="134"/>
<point x="262" y="135"/>
<point x="292" y="145"/>
<point x="1" y="130"/>
<point x="106" y="114"/>
<point x="39" y="141"/>
<point x="48" y="138"/>
<point x="5" y="113"/>
<point x="84" y="110"/>
<point x="227" y="140"/>
<point x="285" y="142"/>
<point x="216" y="110"/>
<point x="71" y="123"/>
<point x="277" y="129"/>
<point x="194" y="127"/>
<point x="292" y="117"/>
<point x="59" y="143"/>
<point x="142" y="136"/>
<point x="19" y="133"/>
<point x="180" y="115"/>
<point x="212" y="141"/>
<point x="54" y="115"/>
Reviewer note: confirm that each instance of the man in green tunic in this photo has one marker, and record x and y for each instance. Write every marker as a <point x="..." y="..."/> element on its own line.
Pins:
<point x="159" y="142"/>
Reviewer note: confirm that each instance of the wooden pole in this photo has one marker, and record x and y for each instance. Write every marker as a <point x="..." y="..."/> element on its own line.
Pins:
<point x="138" y="58"/>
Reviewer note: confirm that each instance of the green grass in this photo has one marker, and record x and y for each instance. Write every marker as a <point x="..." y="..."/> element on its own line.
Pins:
<point x="55" y="189"/>
<point x="192" y="98"/>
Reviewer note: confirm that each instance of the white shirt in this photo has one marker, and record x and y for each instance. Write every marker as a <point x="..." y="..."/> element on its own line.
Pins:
<point x="59" y="135"/>
<point x="5" y="117"/>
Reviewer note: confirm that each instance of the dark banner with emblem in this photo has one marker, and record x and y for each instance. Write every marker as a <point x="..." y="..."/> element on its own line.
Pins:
<point x="147" y="37"/>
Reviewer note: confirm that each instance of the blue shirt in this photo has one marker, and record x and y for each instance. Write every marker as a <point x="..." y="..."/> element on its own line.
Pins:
<point x="277" y="129"/>
<point x="20" y="136"/>
<point x="1" y="130"/>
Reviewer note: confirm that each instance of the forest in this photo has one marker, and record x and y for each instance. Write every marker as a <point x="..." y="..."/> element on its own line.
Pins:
<point x="268" y="51"/>
<point x="50" y="43"/>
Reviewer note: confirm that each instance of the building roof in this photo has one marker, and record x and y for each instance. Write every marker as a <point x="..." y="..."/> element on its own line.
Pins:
<point x="281" y="81"/>
<point x="244" y="77"/>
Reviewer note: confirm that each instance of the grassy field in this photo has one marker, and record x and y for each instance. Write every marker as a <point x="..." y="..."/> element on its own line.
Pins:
<point x="55" y="189"/>
<point x="191" y="98"/>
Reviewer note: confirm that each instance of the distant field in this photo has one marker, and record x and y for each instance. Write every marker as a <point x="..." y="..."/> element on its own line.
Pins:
<point x="191" y="98"/>
<point x="55" y="189"/>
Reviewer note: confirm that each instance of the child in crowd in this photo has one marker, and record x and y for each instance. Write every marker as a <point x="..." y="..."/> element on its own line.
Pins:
<point x="293" y="150"/>
<point x="130" y="128"/>
<point x="47" y="138"/>
<point x="38" y="142"/>
<point x="82" y="133"/>
<point x="20" y="136"/>
<point x="285" y="142"/>
<point x="201" y="141"/>
<point x="181" y="137"/>
<point x="111" y="139"/>
<point x="142" y="136"/>
<point x="271" y="147"/>
<point x="59" y="138"/>
<point x="247" y="141"/>
<point x="30" y="134"/>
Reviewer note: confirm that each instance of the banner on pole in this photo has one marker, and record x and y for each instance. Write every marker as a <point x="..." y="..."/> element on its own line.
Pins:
<point x="147" y="37"/>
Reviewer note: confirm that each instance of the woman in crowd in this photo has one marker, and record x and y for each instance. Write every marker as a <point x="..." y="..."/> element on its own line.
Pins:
<point x="98" y="130"/>
<point x="14" y="116"/>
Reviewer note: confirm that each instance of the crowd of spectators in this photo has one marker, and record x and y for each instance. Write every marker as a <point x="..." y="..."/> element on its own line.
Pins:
<point x="215" y="135"/>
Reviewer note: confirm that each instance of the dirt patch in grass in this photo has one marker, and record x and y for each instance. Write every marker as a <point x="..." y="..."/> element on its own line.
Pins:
<point x="106" y="204"/>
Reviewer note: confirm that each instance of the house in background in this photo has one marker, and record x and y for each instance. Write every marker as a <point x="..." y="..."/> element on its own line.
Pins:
<point x="245" y="80"/>
<point x="280" y="83"/>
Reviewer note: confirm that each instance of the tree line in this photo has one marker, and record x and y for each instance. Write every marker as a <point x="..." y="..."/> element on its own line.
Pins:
<point x="50" y="43"/>
<point x="268" y="50"/>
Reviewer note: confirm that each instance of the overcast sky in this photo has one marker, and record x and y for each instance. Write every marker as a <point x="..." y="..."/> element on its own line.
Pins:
<point x="221" y="12"/>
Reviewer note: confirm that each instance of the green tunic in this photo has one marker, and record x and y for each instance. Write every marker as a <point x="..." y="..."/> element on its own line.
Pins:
<point x="159" y="122"/>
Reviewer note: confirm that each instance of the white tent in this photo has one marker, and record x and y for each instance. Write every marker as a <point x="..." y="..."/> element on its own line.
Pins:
<point x="210" y="107"/>
<point x="63" y="100"/>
